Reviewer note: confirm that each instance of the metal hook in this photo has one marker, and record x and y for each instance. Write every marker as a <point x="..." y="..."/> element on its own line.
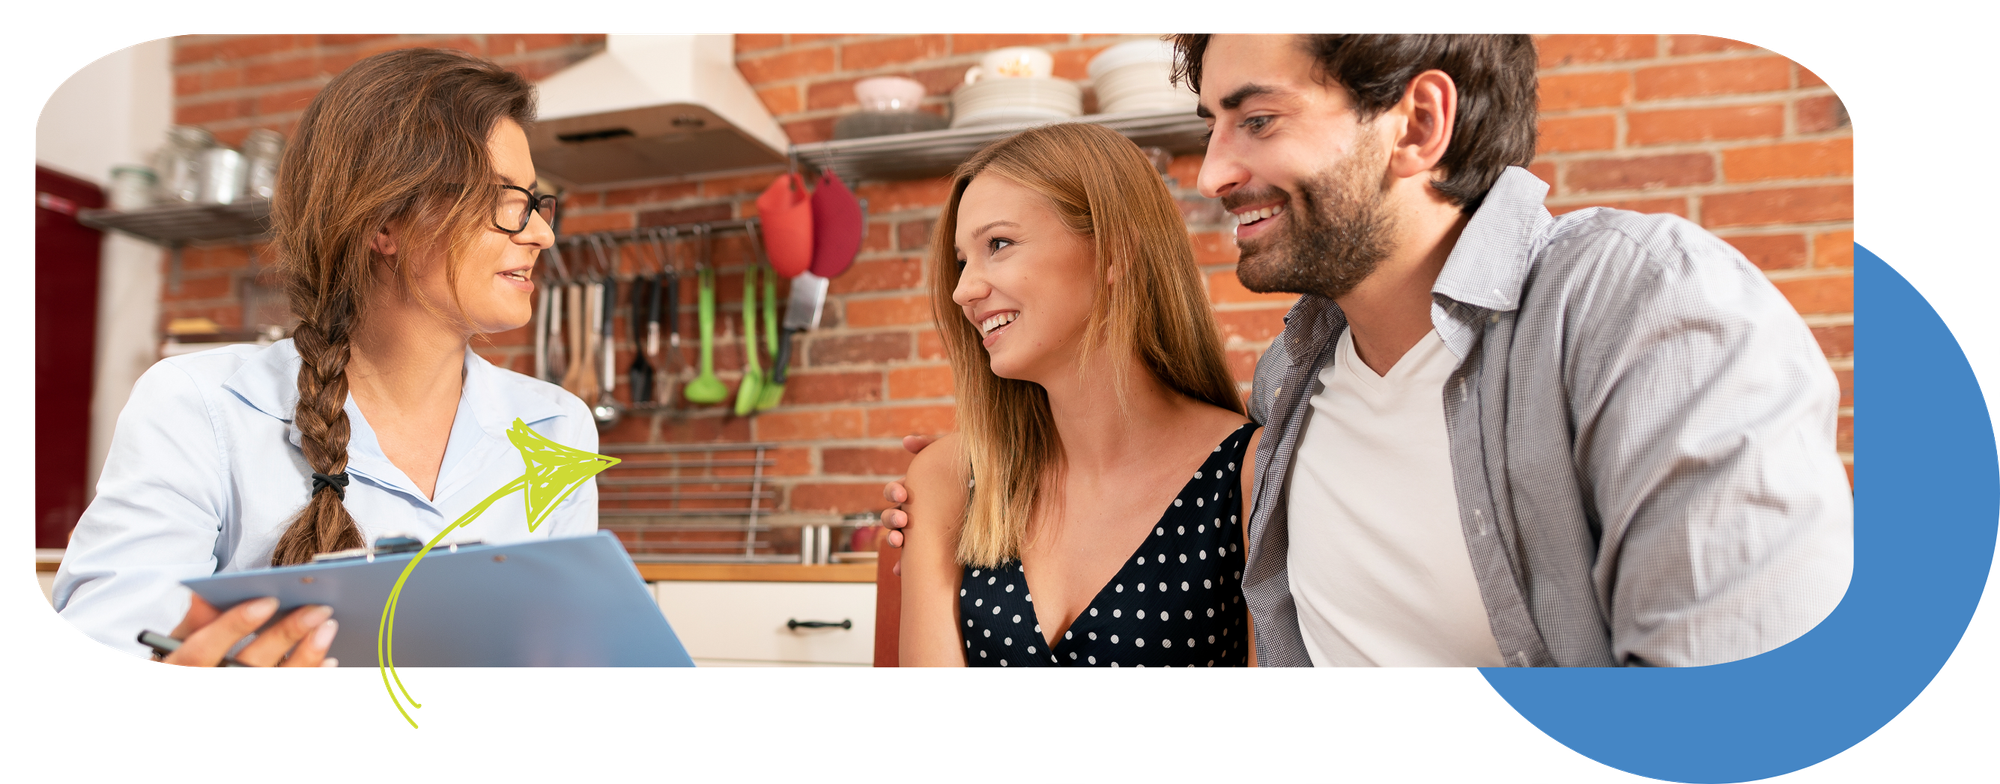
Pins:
<point x="751" y="230"/>
<point x="605" y="267"/>
<point x="555" y="257"/>
<point x="665" y="243"/>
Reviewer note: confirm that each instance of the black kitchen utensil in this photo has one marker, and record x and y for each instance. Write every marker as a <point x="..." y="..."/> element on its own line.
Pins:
<point x="655" y="359"/>
<point x="641" y="371"/>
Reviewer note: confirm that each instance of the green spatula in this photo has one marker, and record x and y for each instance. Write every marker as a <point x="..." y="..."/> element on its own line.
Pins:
<point x="750" y="390"/>
<point x="774" y="384"/>
<point x="706" y="388"/>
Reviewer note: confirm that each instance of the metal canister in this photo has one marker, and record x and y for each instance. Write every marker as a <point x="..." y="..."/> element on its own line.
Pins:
<point x="222" y="175"/>
<point x="132" y="188"/>
<point x="261" y="150"/>
<point x="179" y="163"/>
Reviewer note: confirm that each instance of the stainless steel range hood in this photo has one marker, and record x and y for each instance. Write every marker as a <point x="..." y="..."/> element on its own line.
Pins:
<point x="652" y="106"/>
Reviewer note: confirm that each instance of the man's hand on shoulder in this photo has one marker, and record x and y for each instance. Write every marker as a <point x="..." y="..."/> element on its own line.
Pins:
<point x="894" y="518"/>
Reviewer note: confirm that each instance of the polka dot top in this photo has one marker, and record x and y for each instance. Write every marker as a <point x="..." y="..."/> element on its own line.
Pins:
<point x="1177" y="602"/>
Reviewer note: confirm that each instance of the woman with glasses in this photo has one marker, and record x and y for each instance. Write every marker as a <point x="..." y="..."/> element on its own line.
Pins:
<point x="406" y="225"/>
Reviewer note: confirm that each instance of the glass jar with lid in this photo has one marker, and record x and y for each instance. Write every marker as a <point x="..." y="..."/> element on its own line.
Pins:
<point x="132" y="188"/>
<point x="261" y="151"/>
<point x="179" y="163"/>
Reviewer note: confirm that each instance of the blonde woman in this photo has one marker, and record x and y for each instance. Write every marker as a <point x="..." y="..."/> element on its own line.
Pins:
<point x="1089" y="511"/>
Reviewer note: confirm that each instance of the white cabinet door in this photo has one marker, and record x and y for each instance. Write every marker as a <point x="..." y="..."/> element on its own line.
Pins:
<point x="745" y="623"/>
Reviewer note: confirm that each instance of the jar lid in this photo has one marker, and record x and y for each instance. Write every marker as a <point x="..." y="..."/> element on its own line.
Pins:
<point x="191" y="135"/>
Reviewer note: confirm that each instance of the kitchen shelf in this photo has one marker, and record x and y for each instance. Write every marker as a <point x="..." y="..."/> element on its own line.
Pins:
<point x="176" y="225"/>
<point x="179" y="224"/>
<point x="932" y="153"/>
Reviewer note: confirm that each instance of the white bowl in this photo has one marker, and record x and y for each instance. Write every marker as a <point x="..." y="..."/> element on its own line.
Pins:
<point x="1128" y="53"/>
<point x="1142" y="86"/>
<point x="1151" y="103"/>
<point x="889" y="93"/>
<point x="1135" y="78"/>
<point x="1056" y="98"/>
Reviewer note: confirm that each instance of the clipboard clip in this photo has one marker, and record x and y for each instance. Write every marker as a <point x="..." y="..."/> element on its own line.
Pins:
<point x="387" y="545"/>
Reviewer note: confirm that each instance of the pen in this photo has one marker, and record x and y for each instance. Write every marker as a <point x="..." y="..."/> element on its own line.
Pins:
<point x="163" y="645"/>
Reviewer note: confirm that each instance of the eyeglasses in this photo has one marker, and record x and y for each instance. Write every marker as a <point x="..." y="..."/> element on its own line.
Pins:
<point x="518" y="205"/>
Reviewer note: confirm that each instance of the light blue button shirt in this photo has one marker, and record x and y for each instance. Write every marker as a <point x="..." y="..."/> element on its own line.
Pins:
<point x="205" y="474"/>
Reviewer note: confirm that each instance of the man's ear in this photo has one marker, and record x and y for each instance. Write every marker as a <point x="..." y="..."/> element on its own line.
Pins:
<point x="1428" y="111"/>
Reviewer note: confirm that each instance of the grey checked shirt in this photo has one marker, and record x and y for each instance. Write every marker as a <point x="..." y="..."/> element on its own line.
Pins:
<point x="1642" y="442"/>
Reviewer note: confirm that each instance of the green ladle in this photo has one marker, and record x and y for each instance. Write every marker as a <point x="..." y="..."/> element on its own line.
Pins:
<point x="706" y="388"/>
<point x="752" y="387"/>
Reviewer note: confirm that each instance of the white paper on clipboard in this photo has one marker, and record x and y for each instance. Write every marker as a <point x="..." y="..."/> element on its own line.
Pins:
<point x="569" y="602"/>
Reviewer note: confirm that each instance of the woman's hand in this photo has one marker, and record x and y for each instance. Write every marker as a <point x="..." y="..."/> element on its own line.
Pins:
<point x="894" y="518"/>
<point x="300" y="640"/>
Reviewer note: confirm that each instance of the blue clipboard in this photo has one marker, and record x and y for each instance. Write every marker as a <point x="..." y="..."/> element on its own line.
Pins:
<point x="570" y="602"/>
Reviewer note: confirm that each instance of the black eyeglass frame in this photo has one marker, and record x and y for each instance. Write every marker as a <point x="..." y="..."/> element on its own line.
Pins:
<point x="535" y="203"/>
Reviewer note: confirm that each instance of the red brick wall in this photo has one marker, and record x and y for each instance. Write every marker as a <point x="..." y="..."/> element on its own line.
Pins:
<point x="1745" y="142"/>
<point x="1738" y="139"/>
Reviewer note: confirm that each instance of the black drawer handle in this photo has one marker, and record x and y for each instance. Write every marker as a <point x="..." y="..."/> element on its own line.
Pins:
<point x="796" y="624"/>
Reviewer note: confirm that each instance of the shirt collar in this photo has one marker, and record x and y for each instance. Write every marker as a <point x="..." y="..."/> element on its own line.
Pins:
<point x="1488" y="265"/>
<point x="488" y="405"/>
<point x="269" y="380"/>
<point x="1486" y="270"/>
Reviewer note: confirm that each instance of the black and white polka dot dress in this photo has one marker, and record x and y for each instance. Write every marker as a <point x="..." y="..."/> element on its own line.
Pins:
<point x="1177" y="602"/>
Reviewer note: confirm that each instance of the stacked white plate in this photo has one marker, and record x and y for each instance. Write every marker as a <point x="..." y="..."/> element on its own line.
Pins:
<point x="1000" y="101"/>
<point x="1135" y="77"/>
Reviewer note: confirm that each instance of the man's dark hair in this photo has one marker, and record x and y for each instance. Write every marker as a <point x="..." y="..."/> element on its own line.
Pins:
<point x="1495" y="76"/>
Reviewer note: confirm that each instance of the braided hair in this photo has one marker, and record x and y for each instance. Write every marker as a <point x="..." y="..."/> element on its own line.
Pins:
<point x="398" y="137"/>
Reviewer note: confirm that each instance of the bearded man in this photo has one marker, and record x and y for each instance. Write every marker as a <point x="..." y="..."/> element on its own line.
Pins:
<point x="1494" y="437"/>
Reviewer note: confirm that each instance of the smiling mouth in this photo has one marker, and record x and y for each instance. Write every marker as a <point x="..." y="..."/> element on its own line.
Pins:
<point x="994" y="322"/>
<point x="519" y="274"/>
<point x="1253" y="217"/>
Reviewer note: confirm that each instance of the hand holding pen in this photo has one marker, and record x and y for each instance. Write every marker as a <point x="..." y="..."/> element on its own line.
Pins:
<point x="206" y="634"/>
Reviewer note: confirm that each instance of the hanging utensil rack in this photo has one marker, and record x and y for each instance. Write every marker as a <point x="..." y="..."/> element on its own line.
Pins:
<point x="677" y="231"/>
<point x="576" y="268"/>
<point x="573" y="245"/>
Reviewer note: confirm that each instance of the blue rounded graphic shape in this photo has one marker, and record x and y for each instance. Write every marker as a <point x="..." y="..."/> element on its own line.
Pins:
<point x="1924" y="528"/>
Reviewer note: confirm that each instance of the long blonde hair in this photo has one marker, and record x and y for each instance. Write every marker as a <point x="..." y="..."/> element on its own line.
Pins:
<point x="1105" y="191"/>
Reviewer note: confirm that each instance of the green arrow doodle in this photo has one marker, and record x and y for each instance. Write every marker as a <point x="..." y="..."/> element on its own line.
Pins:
<point x="554" y="471"/>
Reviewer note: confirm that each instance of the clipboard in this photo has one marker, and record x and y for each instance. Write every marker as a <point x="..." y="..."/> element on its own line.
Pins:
<point x="568" y="602"/>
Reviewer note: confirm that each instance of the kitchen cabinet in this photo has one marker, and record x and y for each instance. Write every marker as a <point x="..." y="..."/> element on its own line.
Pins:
<point x="734" y="623"/>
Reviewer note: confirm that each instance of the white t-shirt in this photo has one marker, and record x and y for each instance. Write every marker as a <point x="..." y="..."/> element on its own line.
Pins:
<point x="1379" y="567"/>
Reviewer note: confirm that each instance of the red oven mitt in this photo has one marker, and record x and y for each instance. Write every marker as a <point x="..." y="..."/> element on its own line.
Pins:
<point x="785" y="213"/>
<point x="837" y="226"/>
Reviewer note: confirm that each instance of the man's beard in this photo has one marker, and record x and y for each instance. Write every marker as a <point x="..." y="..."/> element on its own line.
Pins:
<point x="1333" y="235"/>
